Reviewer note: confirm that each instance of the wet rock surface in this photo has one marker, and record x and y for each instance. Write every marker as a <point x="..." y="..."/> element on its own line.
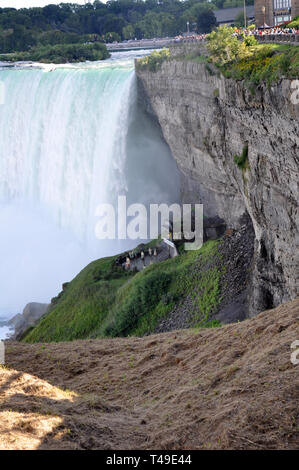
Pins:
<point x="237" y="256"/>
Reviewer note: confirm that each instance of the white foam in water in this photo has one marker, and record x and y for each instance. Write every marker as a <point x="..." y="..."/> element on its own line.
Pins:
<point x="71" y="138"/>
<point x="4" y="332"/>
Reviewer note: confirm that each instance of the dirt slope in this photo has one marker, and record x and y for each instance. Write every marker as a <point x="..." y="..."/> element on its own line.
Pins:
<point x="227" y="388"/>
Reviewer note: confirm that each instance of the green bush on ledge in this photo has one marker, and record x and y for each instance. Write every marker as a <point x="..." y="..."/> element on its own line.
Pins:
<point x="153" y="61"/>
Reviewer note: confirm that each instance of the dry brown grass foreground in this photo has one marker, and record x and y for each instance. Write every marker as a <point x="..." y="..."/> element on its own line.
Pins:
<point x="227" y="388"/>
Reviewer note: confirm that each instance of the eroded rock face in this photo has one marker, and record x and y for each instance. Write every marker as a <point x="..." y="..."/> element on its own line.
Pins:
<point x="206" y="119"/>
<point x="33" y="311"/>
<point x="30" y="317"/>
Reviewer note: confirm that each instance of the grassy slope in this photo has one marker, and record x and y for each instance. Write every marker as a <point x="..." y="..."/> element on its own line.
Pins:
<point x="103" y="300"/>
<point x="83" y="304"/>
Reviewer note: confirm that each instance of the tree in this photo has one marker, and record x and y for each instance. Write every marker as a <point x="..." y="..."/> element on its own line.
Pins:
<point x="128" y="32"/>
<point x="239" y="20"/>
<point x="224" y="47"/>
<point x="199" y="15"/>
<point x="206" y="19"/>
<point x="150" y="26"/>
<point x="112" y="37"/>
<point x="114" y="24"/>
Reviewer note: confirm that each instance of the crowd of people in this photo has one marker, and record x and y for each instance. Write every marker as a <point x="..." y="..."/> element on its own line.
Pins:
<point x="276" y="30"/>
<point x="266" y="31"/>
<point x="190" y="38"/>
<point x="152" y="253"/>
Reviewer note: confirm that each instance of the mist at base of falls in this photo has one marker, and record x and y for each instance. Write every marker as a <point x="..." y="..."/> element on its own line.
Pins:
<point x="70" y="139"/>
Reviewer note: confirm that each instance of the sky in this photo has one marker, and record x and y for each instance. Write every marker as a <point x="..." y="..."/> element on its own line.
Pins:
<point x="34" y="3"/>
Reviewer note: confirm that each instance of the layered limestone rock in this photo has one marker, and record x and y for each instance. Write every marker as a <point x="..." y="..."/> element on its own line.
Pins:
<point x="206" y="120"/>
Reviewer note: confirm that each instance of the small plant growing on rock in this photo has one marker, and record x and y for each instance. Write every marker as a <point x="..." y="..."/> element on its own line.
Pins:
<point x="242" y="160"/>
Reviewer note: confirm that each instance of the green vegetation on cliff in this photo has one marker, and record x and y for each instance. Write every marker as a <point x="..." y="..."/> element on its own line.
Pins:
<point x="153" y="61"/>
<point x="242" y="160"/>
<point x="103" y="300"/>
<point x="247" y="60"/>
<point x="237" y="58"/>
<point x="268" y="63"/>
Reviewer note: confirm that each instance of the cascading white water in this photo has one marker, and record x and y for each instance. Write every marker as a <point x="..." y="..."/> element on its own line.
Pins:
<point x="70" y="139"/>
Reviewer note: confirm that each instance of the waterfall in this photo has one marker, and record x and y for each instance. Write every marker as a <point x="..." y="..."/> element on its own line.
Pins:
<point x="70" y="139"/>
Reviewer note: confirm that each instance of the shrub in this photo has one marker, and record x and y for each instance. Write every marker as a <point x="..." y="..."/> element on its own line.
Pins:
<point x="224" y="47"/>
<point x="268" y="64"/>
<point x="153" y="61"/>
<point x="250" y="41"/>
<point x="247" y="60"/>
<point x="265" y="52"/>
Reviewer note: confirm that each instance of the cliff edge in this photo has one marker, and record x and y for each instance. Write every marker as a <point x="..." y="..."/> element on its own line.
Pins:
<point x="237" y="151"/>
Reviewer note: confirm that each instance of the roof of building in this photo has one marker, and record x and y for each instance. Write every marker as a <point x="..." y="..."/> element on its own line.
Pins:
<point x="227" y="15"/>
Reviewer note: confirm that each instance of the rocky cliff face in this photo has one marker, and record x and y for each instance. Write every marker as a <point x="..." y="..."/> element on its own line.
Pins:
<point x="30" y="317"/>
<point x="206" y="119"/>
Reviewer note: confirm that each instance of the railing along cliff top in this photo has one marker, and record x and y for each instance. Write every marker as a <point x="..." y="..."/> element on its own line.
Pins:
<point x="166" y="42"/>
<point x="272" y="38"/>
<point x="278" y="38"/>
